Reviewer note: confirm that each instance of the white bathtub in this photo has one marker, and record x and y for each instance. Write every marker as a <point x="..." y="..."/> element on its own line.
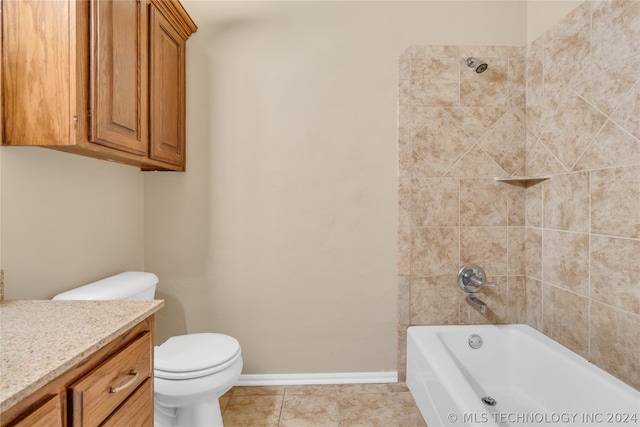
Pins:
<point x="534" y="380"/>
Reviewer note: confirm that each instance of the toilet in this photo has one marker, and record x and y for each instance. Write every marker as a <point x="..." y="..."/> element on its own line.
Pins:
<point x="190" y="371"/>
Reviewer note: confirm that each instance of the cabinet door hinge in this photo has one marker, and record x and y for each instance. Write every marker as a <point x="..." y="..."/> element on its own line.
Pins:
<point x="75" y="122"/>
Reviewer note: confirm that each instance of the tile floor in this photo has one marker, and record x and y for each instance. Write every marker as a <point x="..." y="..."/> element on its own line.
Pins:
<point x="352" y="405"/>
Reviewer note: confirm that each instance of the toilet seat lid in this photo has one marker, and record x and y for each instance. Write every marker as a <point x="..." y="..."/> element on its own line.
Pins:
<point x="195" y="352"/>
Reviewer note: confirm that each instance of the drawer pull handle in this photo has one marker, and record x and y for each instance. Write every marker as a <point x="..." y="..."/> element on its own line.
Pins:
<point x="129" y="383"/>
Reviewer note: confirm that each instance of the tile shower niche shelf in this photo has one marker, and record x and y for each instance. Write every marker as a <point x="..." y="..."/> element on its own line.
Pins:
<point x="526" y="180"/>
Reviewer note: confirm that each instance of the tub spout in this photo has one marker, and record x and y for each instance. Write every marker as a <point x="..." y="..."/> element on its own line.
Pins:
<point x="477" y="303"/>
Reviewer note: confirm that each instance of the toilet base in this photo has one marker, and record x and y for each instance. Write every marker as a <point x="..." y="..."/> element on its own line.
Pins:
<point x="193" y="402"/>
<point x="205" y="413"/>
<point x="163" y="416"/>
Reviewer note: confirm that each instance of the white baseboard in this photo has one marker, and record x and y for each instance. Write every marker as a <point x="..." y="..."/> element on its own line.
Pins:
<point x="316" y="379"/>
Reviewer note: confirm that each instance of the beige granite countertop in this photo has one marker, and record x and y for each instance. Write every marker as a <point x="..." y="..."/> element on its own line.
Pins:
<point x="40" y="340"/>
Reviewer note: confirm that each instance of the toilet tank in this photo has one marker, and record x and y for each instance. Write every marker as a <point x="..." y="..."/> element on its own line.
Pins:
<point x="133" y="285"/>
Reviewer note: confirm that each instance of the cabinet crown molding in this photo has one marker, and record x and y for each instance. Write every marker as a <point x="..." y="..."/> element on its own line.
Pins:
<point x="174" y="11"/>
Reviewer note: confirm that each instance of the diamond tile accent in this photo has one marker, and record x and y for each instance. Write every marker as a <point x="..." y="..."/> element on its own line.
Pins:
<point x="627" y="114"/>
<point x="573" y="127"/>
<point x="441" y="142"/>
<point x="476" y="120"/>
<point x="505" y="141"/>
<point x="611" y="147"/>
<point x="476" y="163"/>
<point x="604" y="90"/>
<point x="540" y="161"/>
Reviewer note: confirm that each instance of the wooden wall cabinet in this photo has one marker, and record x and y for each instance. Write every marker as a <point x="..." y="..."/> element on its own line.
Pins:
<point x="100" y="78"/>
<point x="113" y="387"/>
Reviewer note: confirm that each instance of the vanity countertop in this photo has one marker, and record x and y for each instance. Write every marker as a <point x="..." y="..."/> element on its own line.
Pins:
<point x="40" y="340"/>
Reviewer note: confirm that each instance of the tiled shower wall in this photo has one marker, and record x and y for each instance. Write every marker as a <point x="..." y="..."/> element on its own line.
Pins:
<point x="459" y="130"/>
<point x="565" y="252"/>
<point x="583" y="224"/>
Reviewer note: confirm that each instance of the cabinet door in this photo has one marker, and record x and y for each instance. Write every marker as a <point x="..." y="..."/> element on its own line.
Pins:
<point x="49" y="414"/>
<point x="1" y="115"/>
<point x="167" y="90"/>
<point x="36" y="73"/>
<point x="118" y="78"/>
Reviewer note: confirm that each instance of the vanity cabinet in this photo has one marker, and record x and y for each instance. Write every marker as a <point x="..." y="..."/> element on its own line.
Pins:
<point x="97" y="395"/>
<point x="112" y="387"/>
<point x="100" y="78"/>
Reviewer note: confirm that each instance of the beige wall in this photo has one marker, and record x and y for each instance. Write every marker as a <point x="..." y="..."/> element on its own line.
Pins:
<point x="283" y="231"/>
<point x="564" y="250"/>
<point x="66" y="220"/>
<point x="543" y="14"/>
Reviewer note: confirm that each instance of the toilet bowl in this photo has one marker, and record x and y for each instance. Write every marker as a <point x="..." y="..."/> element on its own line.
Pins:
<point x="190" y="371"/>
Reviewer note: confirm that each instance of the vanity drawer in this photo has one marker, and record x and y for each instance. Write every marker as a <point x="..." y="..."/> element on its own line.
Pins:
<point x="98" y="394"/>
<point x="136" y="411"/>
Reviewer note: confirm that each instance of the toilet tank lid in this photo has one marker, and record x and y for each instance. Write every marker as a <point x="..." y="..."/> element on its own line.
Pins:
<point x="115" y="287"/>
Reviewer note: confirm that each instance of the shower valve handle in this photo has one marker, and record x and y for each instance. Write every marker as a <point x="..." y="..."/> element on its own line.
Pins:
<point x="478" y="282"/>
<point x="472" y="278"/>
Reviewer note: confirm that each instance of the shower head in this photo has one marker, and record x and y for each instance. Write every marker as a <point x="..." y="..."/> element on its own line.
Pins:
<point x="479" y="65"/>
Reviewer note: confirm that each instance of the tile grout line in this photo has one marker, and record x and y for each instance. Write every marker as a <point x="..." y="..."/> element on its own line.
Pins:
<point x="284" y="393"/>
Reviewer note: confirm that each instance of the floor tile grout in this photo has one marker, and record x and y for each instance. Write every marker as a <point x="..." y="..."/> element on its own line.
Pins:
<point x="385" y="405"/>
<point x="284" y="393"/>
